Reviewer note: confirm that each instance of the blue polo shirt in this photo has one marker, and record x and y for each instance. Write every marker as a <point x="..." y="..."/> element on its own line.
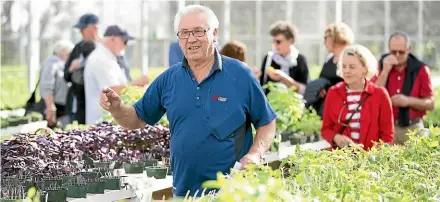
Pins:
<point x="210" y="121"/>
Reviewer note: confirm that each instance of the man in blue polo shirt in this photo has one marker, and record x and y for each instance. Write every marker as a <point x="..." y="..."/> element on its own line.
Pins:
<point x="210" y="101"/>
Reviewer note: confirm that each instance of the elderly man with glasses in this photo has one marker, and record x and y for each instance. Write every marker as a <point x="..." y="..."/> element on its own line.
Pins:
<point x="209" y="99"/>
<point x="407" y="80"/>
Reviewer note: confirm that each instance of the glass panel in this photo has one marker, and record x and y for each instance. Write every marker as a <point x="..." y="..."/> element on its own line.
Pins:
<point x="306" y="16"/>
<point x="376" y="47"/>
<point x="269" y="8"/>
<point x="404" y="17"/>
<point x="431" y="53"/>
<point x="354" y="16"/>
<point x="217" y="7"/>
<point x="242" y="18"/>
<point x="431" y="16"/>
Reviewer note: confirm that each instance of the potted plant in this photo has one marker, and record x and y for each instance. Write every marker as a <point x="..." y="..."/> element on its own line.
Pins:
<point x="309" y="126"/>
<point x="288" y="105"/>
<point x="158" y="172"/>
<point x="16" y="121"/>
<point x="76" y="187"/>
<point x="132" y="167"/>
<point x="149" y="160"/>
<point x="112" y="182"/>
<point x="12" y="193"/>
<point x="34" y="116"/>
<point x="95" y="186"/>
<point x="56" y="194"/>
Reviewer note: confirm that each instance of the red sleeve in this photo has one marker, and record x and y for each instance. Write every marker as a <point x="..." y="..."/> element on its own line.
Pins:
<point x="327" y="123"/>
<point x="386" y="120"/>
<point x="425" y="83"/>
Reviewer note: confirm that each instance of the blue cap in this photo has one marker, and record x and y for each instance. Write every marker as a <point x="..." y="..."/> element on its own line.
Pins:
<point x="87" y="19"/>
<point x="115" y="30"/>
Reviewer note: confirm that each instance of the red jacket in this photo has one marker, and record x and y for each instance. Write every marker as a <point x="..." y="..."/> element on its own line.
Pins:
<point x="376" y="121"/>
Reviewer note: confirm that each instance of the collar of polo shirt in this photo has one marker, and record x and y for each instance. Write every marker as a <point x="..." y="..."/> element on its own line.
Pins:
<point x="218" y="64"/>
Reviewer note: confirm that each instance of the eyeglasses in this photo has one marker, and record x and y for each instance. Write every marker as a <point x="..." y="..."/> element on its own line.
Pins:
<point x="394" y="52"/>
<point x="184" y="34"/>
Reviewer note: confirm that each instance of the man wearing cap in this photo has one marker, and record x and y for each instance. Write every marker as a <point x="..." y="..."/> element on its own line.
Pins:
<point x="88" y="26"/>
<point x="102" y="70"/>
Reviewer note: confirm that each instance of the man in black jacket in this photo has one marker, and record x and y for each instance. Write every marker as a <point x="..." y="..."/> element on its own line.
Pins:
<point x="88" y="26"/>
<point x="408" y="82"/>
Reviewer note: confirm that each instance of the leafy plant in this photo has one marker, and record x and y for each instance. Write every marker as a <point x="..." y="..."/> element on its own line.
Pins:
<point x="309" y="124"/>
<point x="385" y="173"/>
<point x="433" y="117"/>
<point x="286" y="103"/>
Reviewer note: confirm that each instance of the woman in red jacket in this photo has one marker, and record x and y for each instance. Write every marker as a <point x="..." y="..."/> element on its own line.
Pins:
<point x="355" y="110"/>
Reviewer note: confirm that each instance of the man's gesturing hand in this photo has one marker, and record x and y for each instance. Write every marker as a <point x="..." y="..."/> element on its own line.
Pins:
<point x="110" y="100"/>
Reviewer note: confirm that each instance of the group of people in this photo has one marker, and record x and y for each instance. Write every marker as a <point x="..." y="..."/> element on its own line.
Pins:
<point x="360" y="99"/>
<point x="73" y="77"/>
<point x="212" y="97"/>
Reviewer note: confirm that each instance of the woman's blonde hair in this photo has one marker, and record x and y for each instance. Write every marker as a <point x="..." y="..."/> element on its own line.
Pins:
<point x="340" y="33"/>
<point x="364" y="55"/>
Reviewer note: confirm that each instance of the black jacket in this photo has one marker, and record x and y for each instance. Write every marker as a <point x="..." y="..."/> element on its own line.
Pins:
<point x="299" y="73"/>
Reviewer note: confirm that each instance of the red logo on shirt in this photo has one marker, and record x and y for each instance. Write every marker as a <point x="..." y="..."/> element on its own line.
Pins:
<point x="219" y="98"/>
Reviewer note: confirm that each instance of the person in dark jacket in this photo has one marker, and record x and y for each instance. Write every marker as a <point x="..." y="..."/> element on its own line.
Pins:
<point x="286" y="64"/>
<point x="337" y="36"/>
<point x="88" y="26"/>
<point x="408" y="82"/>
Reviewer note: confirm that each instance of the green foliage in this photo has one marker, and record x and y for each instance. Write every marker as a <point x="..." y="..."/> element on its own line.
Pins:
<point x="385" y="173"/>
<point x="76" y="126"/>
<point x="433" y="117"/>
<point x="287" y="104"/>
<point x="130" y="95"/>
<point x="310" y="123"/>
<point x="258" y="183"/>
<point x="14" y="90"/>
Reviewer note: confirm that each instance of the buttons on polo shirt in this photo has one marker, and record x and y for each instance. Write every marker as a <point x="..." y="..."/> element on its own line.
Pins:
<point x="398" y="78"/>
<point x="198" y="88"/>
<point x="398" y="90"/>
<point x="197" y="97"/>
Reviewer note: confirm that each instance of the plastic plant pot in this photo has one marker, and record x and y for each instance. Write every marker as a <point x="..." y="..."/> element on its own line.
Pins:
<point x="112" y="183"/>
<point x="134" y="167"/>
<point x="151" y="162"/>
<point x="96" y="186"/>
<point x="77" y="191"/>
<point x="157" y="172"/>
<point x="89" y="175"/>
<point x="57" y="195"/>
<point x="297" y="139"/>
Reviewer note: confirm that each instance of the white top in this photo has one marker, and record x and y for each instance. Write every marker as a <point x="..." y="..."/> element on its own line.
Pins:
<point x="101" y="71"/>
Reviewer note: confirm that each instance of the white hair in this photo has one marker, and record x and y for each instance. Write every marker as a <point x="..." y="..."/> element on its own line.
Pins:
<point x="211" y="18"/>
<point x="364" y="55"/>
<point x="63" y="46"/>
